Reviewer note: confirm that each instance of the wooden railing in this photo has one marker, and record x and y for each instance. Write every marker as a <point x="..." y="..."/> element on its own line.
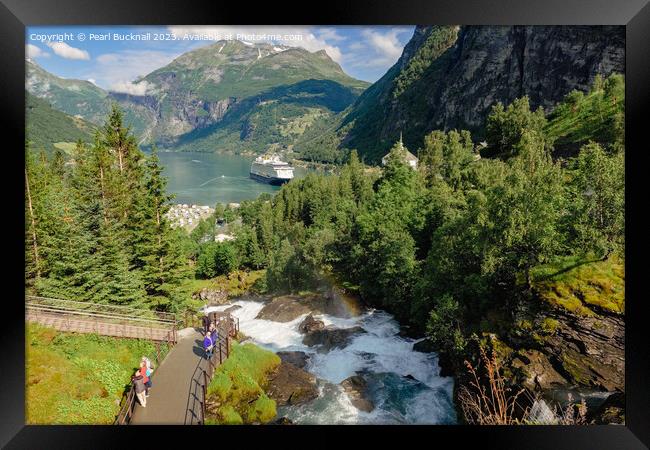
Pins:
<point x="109" y="320"/>
<point x="227" y="328"/>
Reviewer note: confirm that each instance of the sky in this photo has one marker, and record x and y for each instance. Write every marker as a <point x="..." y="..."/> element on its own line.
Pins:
<point x="112" y="59"/>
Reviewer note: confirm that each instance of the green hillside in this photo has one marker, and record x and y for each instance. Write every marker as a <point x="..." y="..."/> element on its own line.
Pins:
<point x="47" y="128"/>
<point x="597" y="115"/>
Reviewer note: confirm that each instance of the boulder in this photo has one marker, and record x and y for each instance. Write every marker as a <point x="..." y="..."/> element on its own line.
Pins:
<point x="331" y="337"/>
<point x="289" y="307"/>
<point x="310" y="324"/>
<point x="281" y="421"/>
<point x="611" y="411"/>
<point x="424" y="346"/>
<point x="232" y="308"/>
<point x="535" y="371"/>
<point x="356" y="387"/>
<point x="298" y="359"/>
<point x="212" y="296"/>
<point x="291" y="385"/>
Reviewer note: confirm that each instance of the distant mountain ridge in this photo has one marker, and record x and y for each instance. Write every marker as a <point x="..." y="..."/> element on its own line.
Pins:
<point x="199" y="88"/>
<point x="450" y="77"/>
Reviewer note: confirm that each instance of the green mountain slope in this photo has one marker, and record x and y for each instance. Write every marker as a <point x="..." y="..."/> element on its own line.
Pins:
<point x="263" y="94"/>
<point x="80" y="98"/>
<point x="47" y="128"/>
<point x="450" y="77"/>
<point x="598" y="115"/>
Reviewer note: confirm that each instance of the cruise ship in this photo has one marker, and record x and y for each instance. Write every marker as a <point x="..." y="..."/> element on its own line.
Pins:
<point x="271" y="169"/>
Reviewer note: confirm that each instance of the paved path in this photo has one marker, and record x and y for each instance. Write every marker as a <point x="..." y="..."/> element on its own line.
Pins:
<point x="167" y="403"/>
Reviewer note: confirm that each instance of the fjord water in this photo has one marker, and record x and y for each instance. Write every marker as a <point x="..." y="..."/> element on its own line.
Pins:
<point x="211" y="178"/>
<point x="383" y="357"/>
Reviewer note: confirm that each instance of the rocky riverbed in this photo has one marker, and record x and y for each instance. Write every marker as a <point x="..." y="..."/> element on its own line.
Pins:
<point x="342" y="363"/>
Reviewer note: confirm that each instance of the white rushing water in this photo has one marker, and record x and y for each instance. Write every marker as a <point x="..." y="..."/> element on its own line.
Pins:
<point x="384" y="358"/>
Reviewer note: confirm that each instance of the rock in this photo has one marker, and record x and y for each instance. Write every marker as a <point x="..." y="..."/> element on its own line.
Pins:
<point x="232" y="308"/>
<point x="289" y="307"/>
<point x="535" y="371"/>
<point x="291" y="385"/>
<point x="310" y="324"/>
<point x="357" y="389"/>
<point x="330" y="337"/>
<point x="611" y="411"/>
<point x="298" y="359"/>
<point x="213" y="296"/>
<point x="424" y="346"/>
<point x="281" y="421"/>
<point x="589" y="351"/>
<point x="410" y="377"/>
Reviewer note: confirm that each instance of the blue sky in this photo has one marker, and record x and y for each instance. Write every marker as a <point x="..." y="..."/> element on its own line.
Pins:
<point x="364" y="52"/>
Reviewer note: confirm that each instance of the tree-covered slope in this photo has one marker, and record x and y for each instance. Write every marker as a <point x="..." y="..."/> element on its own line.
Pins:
<point x="450" y="77"/>
<point x="46" y="126"/>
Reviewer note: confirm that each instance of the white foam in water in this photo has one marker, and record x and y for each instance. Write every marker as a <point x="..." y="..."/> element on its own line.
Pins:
<point x="378" y="351"/>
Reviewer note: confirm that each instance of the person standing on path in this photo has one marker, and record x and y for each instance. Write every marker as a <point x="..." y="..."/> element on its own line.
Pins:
<point x="145" y="378"/>
<point x="206" y="322"/>
<point x="140" y="388"/>
<point x="148" y="371"/>
<point x="207" y="345"/>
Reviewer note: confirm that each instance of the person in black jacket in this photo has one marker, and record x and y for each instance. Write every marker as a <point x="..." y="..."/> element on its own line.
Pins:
<point x="206" y="323"/>
<point x="138" y="385"/>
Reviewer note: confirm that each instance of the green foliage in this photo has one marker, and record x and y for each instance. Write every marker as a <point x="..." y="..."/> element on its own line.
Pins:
<point x="598" y="115"/>
<point x="505" y="127"/>
<point x="443" y="326"/>
<point x="77" y="378"/>
<point x="581" y="284"/>
<point x="96" y="228"/>
<point x="239" y="384"/>
<point x="598" y="195"/>
<point x="46" y="126"/>
<point x="216" y="258"/>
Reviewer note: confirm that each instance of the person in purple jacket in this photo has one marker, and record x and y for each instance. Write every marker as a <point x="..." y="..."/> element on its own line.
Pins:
<point x="208" y="345"/>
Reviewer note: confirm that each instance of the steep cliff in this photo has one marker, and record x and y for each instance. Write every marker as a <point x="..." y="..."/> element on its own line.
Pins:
<point x="450" y="77"/>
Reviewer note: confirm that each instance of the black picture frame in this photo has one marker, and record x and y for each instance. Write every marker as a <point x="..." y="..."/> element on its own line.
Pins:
<point x="634" y="14"/>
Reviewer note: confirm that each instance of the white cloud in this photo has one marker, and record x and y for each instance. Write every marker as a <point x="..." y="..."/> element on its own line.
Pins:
<point x="117" y="70"/>
<point x="305" y="37"/>
<point x="32" y="51"/>
<point x="65" y="51"/>
<point x="128" y="87"/>
<point x="379" y="48"/>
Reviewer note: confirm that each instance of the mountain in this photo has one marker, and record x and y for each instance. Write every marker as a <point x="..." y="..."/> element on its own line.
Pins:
<point x="80" y="98"/>
<point x="450" y="77"/>
<point x="47" y="128"/>
<point x="264" y="95"/>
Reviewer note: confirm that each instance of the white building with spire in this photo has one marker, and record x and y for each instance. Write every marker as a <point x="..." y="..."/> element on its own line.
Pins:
<point x="411" y="159"/>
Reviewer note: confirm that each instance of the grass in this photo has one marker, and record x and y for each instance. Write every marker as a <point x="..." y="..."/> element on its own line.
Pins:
<point x="236" y="392"/>
<point x="582" y="286"/>
<point x="589" y="117"/>
<point x="77" y="378"/>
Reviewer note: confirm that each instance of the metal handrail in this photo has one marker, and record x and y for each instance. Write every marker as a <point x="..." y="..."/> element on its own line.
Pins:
<point x="128" y="407"/>
<point x="202" y="375"/>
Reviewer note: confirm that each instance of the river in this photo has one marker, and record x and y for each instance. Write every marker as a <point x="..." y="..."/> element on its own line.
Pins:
<point x="211" y="178"/>
<point x="381" y="355"/>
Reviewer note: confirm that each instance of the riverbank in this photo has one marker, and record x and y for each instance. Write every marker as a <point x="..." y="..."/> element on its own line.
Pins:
<point x="353" y="359"/>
